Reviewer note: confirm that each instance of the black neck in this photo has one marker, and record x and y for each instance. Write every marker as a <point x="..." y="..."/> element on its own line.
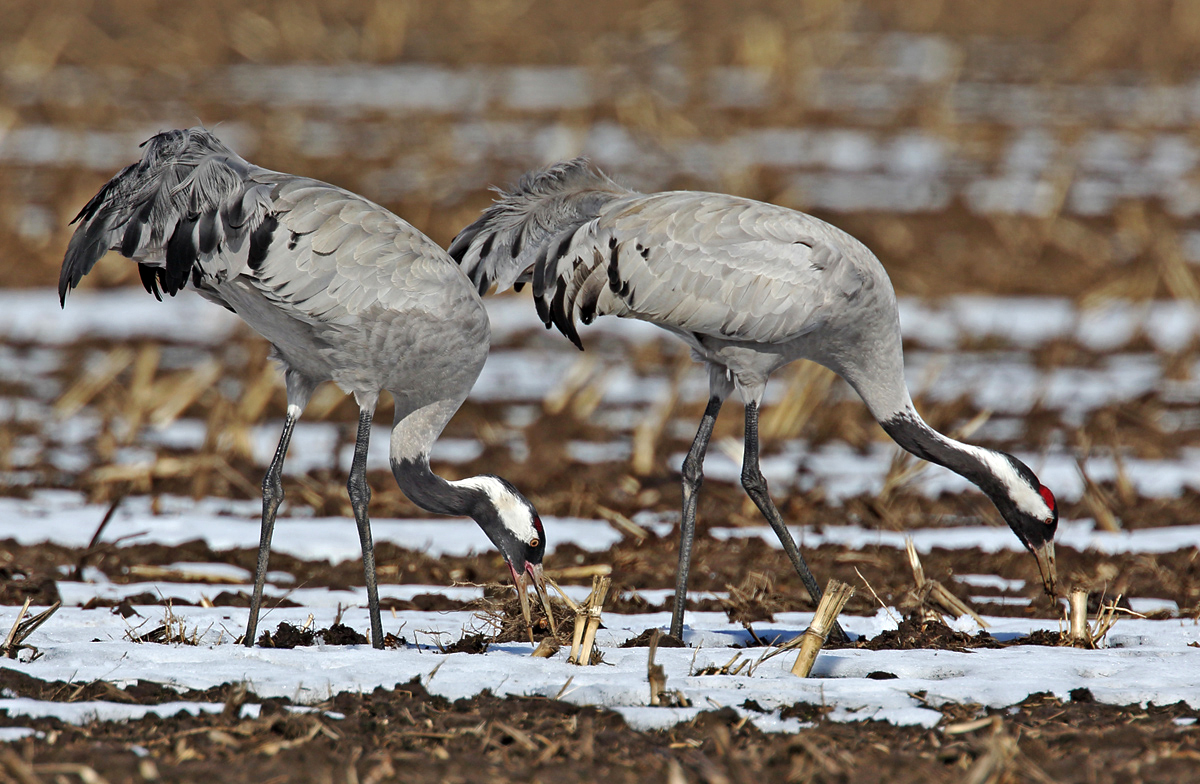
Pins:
<point x="432" y="493"/>
<point x="913" y="435"/>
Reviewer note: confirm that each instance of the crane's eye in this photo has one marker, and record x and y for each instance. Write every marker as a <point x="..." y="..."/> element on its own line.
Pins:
<point x="534" y="542"/>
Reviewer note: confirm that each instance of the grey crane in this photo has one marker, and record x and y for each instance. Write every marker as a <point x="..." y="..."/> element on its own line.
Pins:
<point x="345" y="291"/>
<point x="749" y="287"/>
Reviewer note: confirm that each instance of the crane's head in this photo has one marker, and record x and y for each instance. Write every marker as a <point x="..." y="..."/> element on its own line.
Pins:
<point x="1028" y="507"/>
<point x="513" y="525"/>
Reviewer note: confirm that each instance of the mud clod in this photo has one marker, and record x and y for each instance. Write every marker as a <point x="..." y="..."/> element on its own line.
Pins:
<point x="468" y="643"/>
<point x="341" y="634"/>
<point x="643" y="640"/>
<point x="287" y="636"/>
<point x="915" y="633"/>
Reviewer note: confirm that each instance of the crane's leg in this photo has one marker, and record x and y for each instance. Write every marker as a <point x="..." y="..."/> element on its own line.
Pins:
<point x="756" y="487"/>
<point x="272" y="489"/>
<point x="360" y="496"/>
<point x="693" y="477"/>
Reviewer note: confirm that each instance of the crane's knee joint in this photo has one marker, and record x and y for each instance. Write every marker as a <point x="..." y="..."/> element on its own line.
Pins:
<point x="272" y="488"/>
<point x="753" y="482"/>
<point x="693" y="472"/>
<point x="359" y="491"/>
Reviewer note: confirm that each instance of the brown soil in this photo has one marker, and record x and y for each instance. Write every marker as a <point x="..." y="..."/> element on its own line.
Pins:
<point x="651" y="564"/>
<point x="405" y="734"/>
<point x="287" y="636"/>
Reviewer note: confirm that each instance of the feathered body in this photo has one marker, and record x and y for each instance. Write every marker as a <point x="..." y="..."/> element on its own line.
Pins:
<point x="750" y="287"/>
<point x="343" y="289"/>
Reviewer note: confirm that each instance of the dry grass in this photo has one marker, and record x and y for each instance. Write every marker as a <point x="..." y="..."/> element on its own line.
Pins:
<point x="172" y="631"/>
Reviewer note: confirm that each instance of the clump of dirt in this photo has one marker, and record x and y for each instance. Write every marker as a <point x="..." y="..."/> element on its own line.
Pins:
<point x="1041" y="637"/>
<point x="341" y="634"/>
<point x="242" y="599"/>
<point x="914" y="633"/>
<point x="643" y="640"/>
<point x="124" y="606"/>
<point x="17" y="585"/>
<point x="468" y="643"/>
<point x="423" y="602"/>
<point x="287" y="636"/>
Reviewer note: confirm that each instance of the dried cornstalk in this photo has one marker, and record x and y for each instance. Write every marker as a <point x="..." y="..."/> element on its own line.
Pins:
<point x="546" y="648"/>
<point x="141" y="385"/>
<point x="176" y="395"/>
<point x="807" y="389"/>
<point x="93" y="382"/>
<point x="577" y="377"/>
<point x="600" y="593"/>
<point x="577" y="572"/>
<point x="933" y="591"/>
<point x="836" y="595"/>
<point x="324" y="401"/>
<point x="587" y="621"/>
<point x="21" y="629"/>
<point x="648" y="431"/>
<point x="1097" y="500"/>
<point x="1080" y="634"/>
<point x="657" y="676"/>
<point x="622" y="523"/>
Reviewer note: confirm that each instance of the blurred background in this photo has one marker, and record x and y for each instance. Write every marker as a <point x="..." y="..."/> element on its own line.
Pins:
<point x="1026" y="171"/>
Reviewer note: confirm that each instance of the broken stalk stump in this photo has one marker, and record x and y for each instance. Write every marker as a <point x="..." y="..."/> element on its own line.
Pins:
<point x="657" y="676"/>
<point x="546" y="648"/>
<point x="655" y="673"/>
<point x="21" y="629"/>
<point x="1080" y="634"/>
<point x="932" y="591"/>
<point x="600" y="593"/>
<point x="587" y="621"/>
<point x="836" y="595"/>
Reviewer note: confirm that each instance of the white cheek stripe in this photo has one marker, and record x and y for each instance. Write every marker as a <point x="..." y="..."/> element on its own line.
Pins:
<point x="513" y="512"/>
<point x="1027" y="498"/>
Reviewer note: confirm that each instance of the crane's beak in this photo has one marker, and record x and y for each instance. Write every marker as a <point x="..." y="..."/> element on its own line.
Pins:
<point x="539" y="585"/>
<point x="1045" y="560"/>
<point x="534" y="571"/>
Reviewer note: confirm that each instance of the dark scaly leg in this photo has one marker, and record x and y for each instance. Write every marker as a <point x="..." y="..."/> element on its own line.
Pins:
<point x="360" y="497"/>
<point x="756" y="487"/>
<point x="693" y="477"/>
<point x="272" y="488"/>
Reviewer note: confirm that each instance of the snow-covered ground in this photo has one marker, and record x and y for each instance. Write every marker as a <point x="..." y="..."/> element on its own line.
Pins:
<point x="1144" y="661"/>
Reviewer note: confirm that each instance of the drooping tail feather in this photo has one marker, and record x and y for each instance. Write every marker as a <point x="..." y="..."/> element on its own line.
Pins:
<point x="504" y="243"/>
<point x="188" y="197"/>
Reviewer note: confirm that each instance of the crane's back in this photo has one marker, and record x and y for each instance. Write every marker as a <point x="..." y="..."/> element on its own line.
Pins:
<point x="343" y="289"/>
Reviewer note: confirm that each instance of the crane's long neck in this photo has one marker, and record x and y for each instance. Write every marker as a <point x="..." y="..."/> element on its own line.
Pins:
<point x="977" y="464"/>
<point x="874" y="366"/>
<point x="412" y="437"/>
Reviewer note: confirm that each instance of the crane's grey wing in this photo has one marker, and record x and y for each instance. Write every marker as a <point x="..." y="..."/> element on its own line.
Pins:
<point x="189" y="201"/>
<point x="700" y="262"/>
<point x="191" y="209"/>
<point x="335" y="256"/>
<point x="502" y="245"/>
